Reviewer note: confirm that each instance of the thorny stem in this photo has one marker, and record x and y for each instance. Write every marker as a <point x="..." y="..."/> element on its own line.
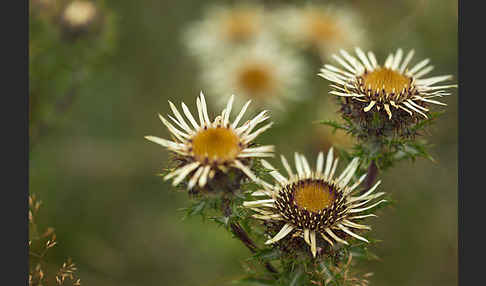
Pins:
<point x="241" y="234"/>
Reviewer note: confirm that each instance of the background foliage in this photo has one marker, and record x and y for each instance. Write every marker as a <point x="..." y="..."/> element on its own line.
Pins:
<point x="120" y="223"/>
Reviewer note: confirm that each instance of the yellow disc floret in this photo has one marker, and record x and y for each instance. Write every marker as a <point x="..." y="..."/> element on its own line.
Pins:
<point x="313" y="196"/>
<point x="216" y="145"/>
<point x="384" y="78"/>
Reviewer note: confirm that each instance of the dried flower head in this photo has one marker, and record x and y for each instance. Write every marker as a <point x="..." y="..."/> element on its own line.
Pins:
<point x="79" y="14"/>
<point x="324" y="28"/>
<point x="392" y="88"/>
<point x="210" y="147"/>
<point x="312" y="202"/>
<point x="266" y="73"/>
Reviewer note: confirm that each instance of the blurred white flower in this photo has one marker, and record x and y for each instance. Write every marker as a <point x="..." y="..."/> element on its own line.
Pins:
<point x="265" y="72"/>
<point x="324" y="28"/>
<point x="224" y="28"/>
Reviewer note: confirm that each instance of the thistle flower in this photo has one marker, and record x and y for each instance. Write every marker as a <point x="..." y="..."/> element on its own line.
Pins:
<point x="392" y="88"/>
<point x="224" y="28"/>
<point x="313" y="202"/>
<point x="208" y="147"/>
<point x="266" y="73"/>
<point x="324" y="28"/>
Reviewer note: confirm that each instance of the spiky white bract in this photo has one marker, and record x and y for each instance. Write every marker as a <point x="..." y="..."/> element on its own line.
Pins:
<point x="267" y="73"/>
<point x="325" y="28"/>
<point x="391" y="86"/>
<point x="315" y="202"/>
<point x="208" y="146"/>
<point x="224" y="28"/>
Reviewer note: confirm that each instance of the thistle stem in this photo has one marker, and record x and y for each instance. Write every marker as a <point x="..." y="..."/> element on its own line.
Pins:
<point x="241" y="234"/>
<point x="370" y="176"/>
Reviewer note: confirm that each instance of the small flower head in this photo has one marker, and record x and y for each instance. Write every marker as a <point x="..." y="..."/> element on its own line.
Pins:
<point x="78" y="14"/>
<point x="322" y="28"/>
<point x="399" y="94"/>
<point x="224" y="29"/>
<point x="79" y="18"/>
<point x="208" y="148"/>
<point x="313" y="203"/>
<point x="265" y="73"/>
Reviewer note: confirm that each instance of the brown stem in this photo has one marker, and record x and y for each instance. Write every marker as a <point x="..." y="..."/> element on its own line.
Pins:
<point x="370" y="176"/>
<point x="241" y="234"/>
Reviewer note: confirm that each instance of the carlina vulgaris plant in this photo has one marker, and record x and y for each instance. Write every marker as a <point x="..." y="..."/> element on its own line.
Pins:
<point x="313" y="204"/>
<point x="386" y="107"/>
<point x="312" y="218"/>
<point x="215" y="161"/>
<point x="214" y="158"/>
<point x="211" y="148"/>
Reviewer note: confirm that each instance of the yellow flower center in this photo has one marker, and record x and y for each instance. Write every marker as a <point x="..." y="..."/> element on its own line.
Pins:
<point x="216" y="144"/>
<point x="313" y="196"/>
<point x="255" y="78"/>
<point x="385" y="78"/>
<point x="240" y="26"/>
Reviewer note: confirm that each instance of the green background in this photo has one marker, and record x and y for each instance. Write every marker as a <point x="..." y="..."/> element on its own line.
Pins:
<point x="120" y="223"/>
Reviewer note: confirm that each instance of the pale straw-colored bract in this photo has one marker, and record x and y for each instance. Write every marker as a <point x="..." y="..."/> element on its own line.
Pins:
<point x="204" y="143"/>
<point x="389" y="87"/>
<point x="335" y="218"/>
